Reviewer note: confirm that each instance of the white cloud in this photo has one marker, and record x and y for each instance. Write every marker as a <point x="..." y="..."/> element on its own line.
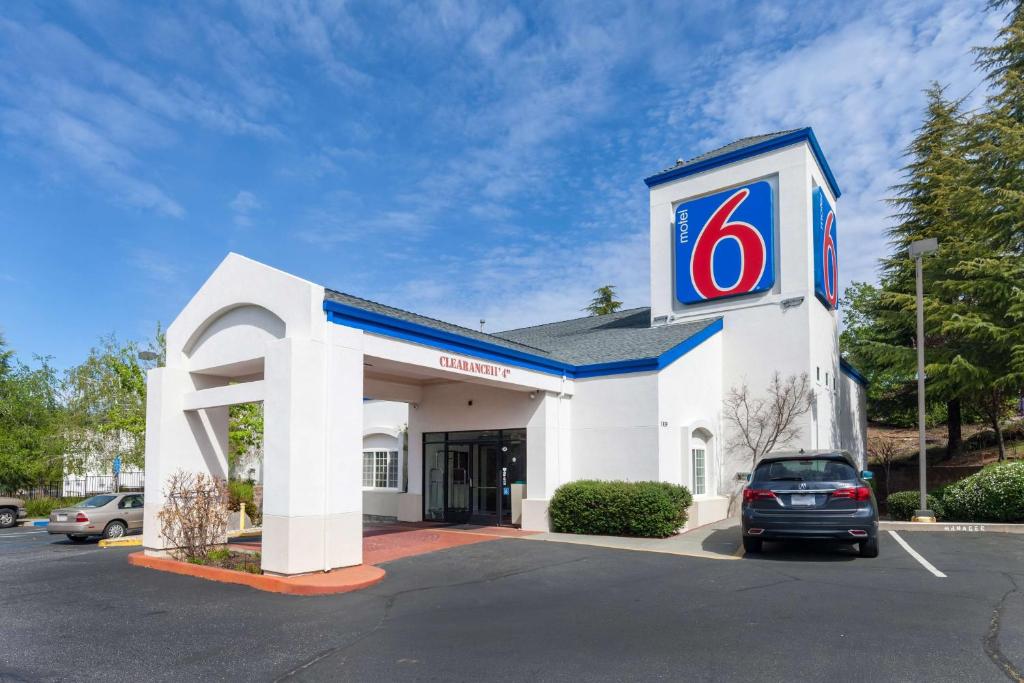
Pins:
<point x="860" y="86"/>
<point x="73" y="110"/>
<point x="156" y="266"/>
<point x="243" y="206"/>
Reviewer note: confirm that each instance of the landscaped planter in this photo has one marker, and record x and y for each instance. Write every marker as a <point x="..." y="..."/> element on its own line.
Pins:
<point x="342" y="580"/>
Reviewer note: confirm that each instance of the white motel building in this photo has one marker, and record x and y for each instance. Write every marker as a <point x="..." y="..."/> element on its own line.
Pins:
<point x="374" y="410"/>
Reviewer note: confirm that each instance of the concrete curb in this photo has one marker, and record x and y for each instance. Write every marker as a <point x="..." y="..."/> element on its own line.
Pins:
<point x="955" y="527"/>
<point x="33" y="522"/>
<point x="126" y="542"/>
<point x="246" y="533"/>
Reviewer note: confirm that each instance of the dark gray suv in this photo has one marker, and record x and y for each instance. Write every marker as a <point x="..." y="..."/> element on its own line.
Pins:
<point x="810" y="495"/>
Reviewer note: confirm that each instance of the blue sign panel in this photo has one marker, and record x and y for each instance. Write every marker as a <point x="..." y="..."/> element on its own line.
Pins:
<point x="826" y="250"/>
<point x="725" y="244"/>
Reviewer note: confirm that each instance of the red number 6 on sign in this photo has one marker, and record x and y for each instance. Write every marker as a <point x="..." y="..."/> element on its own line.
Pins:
<point x="752" y="252"/>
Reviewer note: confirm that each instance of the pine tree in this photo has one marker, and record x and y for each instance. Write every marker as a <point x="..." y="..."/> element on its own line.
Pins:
<point x="881" y="322"/>
<point x="604" y="302"/>
<point x="997" y="135"/>
<point x="984" y="292"/>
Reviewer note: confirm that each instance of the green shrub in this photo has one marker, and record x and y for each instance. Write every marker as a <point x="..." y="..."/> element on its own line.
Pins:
<point x="995" y="494"/>
<point x="42" y="507"/>
<point x="239" y="492"/>
<point x="242" y="492"/>
<point x="619" y="508"/>
<point x="904" y="504"/>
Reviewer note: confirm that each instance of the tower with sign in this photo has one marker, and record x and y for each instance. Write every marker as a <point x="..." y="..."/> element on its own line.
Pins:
<point x="749" y="233"/>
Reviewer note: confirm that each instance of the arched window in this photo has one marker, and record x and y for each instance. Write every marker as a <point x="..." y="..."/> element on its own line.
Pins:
<point x="699" y="440"/>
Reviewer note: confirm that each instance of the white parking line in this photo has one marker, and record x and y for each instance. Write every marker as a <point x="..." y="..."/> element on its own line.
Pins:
<point x="20" y="534"/>
<point x="914" y="554"/>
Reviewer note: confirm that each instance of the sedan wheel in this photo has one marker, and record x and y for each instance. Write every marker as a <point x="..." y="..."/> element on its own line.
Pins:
<point x="75" y="538"/>
<point x="114" y="530"/>
<point x="7" y="519"/>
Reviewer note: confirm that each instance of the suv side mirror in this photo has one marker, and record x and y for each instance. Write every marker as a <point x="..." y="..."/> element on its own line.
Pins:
<point x="867" y="475"/>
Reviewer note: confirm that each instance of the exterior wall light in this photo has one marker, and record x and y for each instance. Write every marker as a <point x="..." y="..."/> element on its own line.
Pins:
<point x="792" y="302"/>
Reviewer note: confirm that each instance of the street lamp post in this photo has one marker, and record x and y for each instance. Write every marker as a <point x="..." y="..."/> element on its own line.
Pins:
<point x="918" y="250"/>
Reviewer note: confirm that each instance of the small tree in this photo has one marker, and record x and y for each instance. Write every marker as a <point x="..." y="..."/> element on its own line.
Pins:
<point x="106" y="403"/>
<point x="759" y="425"/>
<point x="604" y="301"/>
<point x="883" y="451"/>
<point x="194" y="518"/>
<point x="245" y="437"/>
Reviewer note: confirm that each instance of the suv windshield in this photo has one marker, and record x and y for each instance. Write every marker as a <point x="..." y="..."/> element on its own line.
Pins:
<point x="95" y="502"/>
<point x="805" y="470"/>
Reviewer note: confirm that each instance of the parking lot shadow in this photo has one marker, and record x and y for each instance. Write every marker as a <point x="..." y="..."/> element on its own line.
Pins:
<point x="804" y="551"/>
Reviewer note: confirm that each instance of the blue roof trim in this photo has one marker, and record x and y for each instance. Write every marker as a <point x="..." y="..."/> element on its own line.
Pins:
<point x="428" y="336"/>
<point x="804" y="134"/>
<point x="387" y="326"/>
<point x="853" y="373"/>
<point x="651" y="364"/>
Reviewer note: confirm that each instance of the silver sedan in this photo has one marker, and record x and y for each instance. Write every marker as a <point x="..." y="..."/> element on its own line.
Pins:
<point x="109" y="515"/>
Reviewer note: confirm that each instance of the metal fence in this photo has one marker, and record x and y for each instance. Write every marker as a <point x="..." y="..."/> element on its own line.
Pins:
<point x="81" y="486"/>
<point x="103" y="483"/>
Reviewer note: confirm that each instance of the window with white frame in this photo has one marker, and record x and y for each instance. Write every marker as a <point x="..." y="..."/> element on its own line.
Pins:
<point x="380" y="469"/>
<point x="698" y="470"/>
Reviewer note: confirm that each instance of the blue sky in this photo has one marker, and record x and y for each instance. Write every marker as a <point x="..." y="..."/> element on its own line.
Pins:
<point x="463" y="160"/>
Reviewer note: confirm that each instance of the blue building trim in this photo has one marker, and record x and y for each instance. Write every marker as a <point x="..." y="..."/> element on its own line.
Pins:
<point x="853" y="373"/>
<point x="804" y="134"/>
<point x="428" y="336"/>
<point x="377" y="323"/>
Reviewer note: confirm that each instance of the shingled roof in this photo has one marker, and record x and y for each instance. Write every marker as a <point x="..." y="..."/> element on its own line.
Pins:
<point x="623" y="336"/>
<point x="626" y="335"/>
<point x="745" y="148"/>
<point x="731" y="147"/>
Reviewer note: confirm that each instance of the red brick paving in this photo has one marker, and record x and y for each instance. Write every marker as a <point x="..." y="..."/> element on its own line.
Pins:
<point x="382" y="542"/>
<point x="387" y="541"/>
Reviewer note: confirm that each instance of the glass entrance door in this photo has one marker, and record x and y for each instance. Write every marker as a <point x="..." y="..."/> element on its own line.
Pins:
<point x="460" y="482"/>
<point x="476" y="477"/>
<point x="485" y="484"/>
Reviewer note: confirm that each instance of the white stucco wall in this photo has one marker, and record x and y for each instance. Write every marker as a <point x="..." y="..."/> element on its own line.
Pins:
<point x="615" y="428"/>
<point x="853" y="417"/>
<point x="690" y="398"/>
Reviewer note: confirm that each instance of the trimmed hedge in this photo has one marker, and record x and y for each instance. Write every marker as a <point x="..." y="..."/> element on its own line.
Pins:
<point x="904" y="504"/>
<point x="42" y="507"/>
<point x="995" y="494"/>
<point x="650" y="509"/>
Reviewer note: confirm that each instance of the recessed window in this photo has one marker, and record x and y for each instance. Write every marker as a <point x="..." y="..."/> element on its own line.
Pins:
<point x="698" y="470"/>
<point x="826" y="379"/>
<point x="380" y="469"/>
<point x="817" y="373"/>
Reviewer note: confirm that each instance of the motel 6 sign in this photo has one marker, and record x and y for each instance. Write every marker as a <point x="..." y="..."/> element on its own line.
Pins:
<point x="725" y="244"/>
<point x="826" y="254"/>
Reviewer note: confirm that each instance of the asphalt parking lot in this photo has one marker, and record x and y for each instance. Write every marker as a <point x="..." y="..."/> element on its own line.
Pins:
<point x="520" y="609"/>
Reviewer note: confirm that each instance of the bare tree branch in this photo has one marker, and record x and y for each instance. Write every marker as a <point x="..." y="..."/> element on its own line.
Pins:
<point x="760" y="425"/>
